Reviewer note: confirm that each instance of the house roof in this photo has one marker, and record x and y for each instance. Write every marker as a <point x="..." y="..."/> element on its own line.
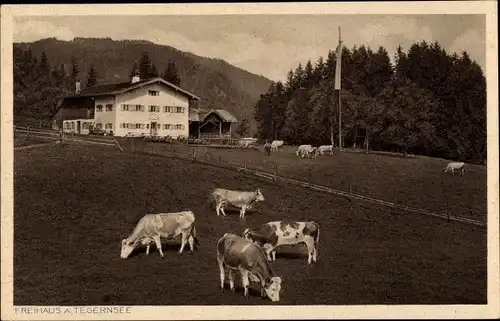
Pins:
<point x="118" y="88"/>
<point x="202" y="114"/>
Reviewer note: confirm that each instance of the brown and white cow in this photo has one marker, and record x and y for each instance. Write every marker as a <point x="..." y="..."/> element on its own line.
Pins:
<point x="237" y="253"/>
<point x="273" y="234"/>
<point x="240" y="199"/>
<point x="152" y="227"/>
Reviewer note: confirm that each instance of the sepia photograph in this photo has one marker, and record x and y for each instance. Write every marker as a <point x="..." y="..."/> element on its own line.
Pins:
<point x="249" y="156"/>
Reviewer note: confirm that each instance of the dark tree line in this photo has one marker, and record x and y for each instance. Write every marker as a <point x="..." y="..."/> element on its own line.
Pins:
<point x="38" y="84"/>
<point x="428" y="103"/>
<point x="147" y="69"/>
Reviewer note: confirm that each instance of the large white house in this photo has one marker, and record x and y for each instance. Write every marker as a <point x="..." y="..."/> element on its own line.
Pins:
<point x="151" y="107"/>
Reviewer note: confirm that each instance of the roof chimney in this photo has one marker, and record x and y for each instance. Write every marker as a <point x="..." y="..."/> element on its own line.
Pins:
<point x="136" y="78"/>
<point x="77" y="87"/>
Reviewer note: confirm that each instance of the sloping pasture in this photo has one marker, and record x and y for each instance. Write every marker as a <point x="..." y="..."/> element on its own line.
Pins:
<point x="415" y="181"/>
<point x="73" y="205"/>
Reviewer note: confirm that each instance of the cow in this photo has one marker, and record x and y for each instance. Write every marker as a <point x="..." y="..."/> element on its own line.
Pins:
<point x="268" y="148"/>
<point x="308" y="152"/>
<point x="152" y="227"/>
<point x="325" y="149"/>
<point x="451" y="167"/>
<point x="247" y="142"/>
<point x="301" y="149"/>
<point x="276" y="144"/>
<point x="241" y="199"/>
<point x="273" y="234"/>
<point x="237" y="253"/>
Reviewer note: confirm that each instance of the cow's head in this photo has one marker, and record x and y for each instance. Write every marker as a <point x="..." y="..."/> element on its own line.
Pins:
<point x="258" y="195"/>
<point x="127" y="248"/>
<point x="273" y="288"/>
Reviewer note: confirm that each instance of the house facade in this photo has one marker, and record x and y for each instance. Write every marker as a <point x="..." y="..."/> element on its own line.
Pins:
<point x="151" y="107"/>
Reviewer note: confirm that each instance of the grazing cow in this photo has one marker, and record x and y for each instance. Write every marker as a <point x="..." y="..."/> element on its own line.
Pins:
<point x="152" y="227"/>
<point x="268" y="148"/>
<point x="237" y="253"/>
<point x="240" y="199"/>
<point x="276" y="144"/>
<point x="325" y="149"/>
<point x="308" y="152"/>
<point x="247" y="142"/>
<point x="273" y="234"/>
<point x="451" y="167"/>
<point x="301" y="149"/>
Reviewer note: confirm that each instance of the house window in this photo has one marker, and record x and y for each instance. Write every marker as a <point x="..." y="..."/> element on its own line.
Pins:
<point x="154" y="93"/>
<point x="168" y="109"/>
<point x="122" y="125"/>
<point x="98" y="108"/>
<point x="167" y="126"/>
<point x="142" y="126"/>
<point x="85" y="125"/>
<point x="109" y="126"/>
<point x="179" y="127"/>
<point x="138" y="126"/>
<point x="109" y="107"/>
<point x="179" y="110"/>
<point x="154" y="109"/>
<point x="125" y="107"/>
<point x="147" y="126"/>
<point x="98" y="126"/>
<point x="139" y="108"/>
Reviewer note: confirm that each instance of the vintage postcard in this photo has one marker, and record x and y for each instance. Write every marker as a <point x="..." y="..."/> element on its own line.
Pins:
<point x="250" y="160"/>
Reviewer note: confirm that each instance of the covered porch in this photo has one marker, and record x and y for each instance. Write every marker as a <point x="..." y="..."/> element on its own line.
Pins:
<point x="211" y="124"/>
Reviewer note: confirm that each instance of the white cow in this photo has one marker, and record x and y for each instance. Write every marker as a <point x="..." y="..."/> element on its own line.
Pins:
<point x="325" y="149"/>
<point x="152" y="227"/>
<point x="276" y="144"/>
<point x="301" y="149"/>
<point x="240" y="199"/>
<point x="248" y="142"/>
<point x="451" y="167"/>
<point x="237" y="253"/>
<point x="273" y="234"/>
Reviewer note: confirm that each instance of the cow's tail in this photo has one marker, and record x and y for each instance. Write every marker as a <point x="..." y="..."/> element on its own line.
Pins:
<point x="317" y="239"/>
<point x="193" y="233"/>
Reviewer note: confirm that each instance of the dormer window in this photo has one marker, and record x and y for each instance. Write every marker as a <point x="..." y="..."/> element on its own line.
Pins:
<point x="154" y="93"/>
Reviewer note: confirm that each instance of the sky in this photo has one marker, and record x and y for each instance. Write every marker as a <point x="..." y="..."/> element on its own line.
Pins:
<point x="269" y="45"/>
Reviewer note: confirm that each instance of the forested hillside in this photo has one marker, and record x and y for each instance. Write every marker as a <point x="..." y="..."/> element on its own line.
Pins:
<point x="428" y="103"/>
<point x="47" y="68"/>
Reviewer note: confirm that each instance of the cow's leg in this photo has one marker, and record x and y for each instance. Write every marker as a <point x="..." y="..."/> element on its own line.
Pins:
<point x="242" y="211"/>
<point x="245" y="281"/>
<point x="231" y="279"/>
<point x="221" y="270"/>
<point x="217" y="208"/>
<point x="310" y="249"/>
<point x="222" y="209"/>
<point x="274" y="255"/>
<point x="191" y="242"/>
<point x="183" y="241"/>
<point x="147" y="249"/>
<point x="158" y="244"/>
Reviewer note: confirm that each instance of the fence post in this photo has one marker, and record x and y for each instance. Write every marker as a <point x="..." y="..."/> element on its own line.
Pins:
<point x="27" y="133"/>
<point x="61" y="135"/>
<point x="275" y="172"/>
<point x="118" y="144"/>
<point x="394" y="203"/>
<point x="194" y="154"/>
